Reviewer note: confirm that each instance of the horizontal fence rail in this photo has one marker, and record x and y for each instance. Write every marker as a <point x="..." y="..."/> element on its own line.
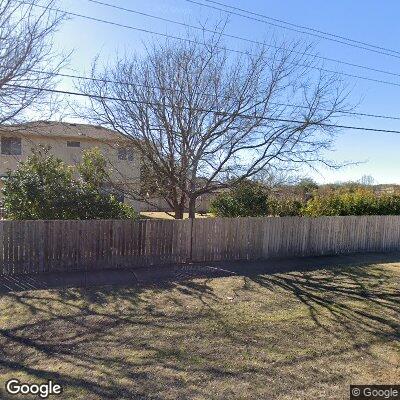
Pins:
<point x="44" y="246"/>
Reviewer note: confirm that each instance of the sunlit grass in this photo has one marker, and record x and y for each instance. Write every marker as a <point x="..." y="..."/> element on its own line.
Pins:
<point x="164" y="215"/>
<point x="297" y="335"/>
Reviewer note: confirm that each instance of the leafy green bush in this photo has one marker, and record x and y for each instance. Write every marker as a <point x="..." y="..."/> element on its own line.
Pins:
<point x="43" y="187"/>
<point x="307" y="186"/>
<point x="287" y="207"/>
<point x="93" y="202"/>
<point x="355" y="202"/>
<point x="389" y="204"/>
<point x="247" y="199"/>
<point x="251" y="199"/>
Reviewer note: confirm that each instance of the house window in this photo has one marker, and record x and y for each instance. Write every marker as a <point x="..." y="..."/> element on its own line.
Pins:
<point x="73" y="144"/>
<point x="11" y="146"/>
<point x="125" y="153"/>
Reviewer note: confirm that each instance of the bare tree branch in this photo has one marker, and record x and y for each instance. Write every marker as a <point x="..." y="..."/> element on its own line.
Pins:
<point x="203" y="119"/>
<point x="27" y="58"/>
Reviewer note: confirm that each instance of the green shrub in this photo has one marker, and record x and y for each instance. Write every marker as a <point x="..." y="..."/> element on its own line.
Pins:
<point x="355" y="202"/>
<point x="43" y="187"/>
<point x="287" y="207"/>
<point x="388" y="204"/>
<point x="307" y="186"/>
<point x="247" y="199"/>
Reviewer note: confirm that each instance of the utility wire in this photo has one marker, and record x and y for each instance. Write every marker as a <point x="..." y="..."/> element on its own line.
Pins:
<point x="361" y="114"/>
<point x="92" y="96"/>
<point x="303" y="27"/>
<point x="238" y="37"/>
<point x="386" y="52"/>
<point x="196" y="42"/>
<point x="184" y="39"/>
<point x="81" y="77"/>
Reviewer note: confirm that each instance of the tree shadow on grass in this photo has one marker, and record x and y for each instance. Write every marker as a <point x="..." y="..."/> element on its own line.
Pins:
<point x="362" y="302"/>
<point x="99" y="329"/>
<point x="103" y="329"/>
<point x="70" y="338"/>
<point x="354" y="298"/>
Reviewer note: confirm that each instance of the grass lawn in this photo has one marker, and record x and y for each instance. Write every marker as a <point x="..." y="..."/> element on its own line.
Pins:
<point x="298" y="335"/>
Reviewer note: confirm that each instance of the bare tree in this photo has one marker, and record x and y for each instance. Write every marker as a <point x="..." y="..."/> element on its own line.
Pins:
<point x="367" y="180"/>
<point x="28" y="62"/>
<point x="204" y="118"/>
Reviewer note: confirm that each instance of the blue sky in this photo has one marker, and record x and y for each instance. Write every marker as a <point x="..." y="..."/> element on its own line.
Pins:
<point x="367" y="21"/>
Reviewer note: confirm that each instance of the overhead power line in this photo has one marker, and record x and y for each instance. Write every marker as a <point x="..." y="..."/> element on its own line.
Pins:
<point x="82" y="77"/>
<point x="304" y="27"/>
<point x="193" y="41"/>
<point x="129" y="10"/>
<point x="360" y="114"/>
<point x="372" y="48"/>
<point x="111" y="98"/>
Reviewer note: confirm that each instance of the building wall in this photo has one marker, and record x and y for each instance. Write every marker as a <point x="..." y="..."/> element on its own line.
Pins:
<point x="126" y="171"/>
<point x="123" y="172"/>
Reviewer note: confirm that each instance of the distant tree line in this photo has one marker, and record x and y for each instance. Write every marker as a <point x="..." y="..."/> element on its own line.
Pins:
<point x="254" y="199"/>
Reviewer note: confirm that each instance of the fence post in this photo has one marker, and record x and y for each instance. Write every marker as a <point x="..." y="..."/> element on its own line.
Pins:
<point x="191" y="241"/>
<point x="25" y="246"/>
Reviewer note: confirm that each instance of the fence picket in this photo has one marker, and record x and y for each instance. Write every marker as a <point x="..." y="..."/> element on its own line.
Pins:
<point x="41" y="246"/>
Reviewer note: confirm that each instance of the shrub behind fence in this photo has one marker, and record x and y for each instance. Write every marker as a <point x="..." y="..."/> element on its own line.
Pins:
<point x="42" y="246"/>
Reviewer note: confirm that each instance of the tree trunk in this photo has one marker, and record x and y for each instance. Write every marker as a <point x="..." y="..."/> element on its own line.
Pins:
<point x="192" y="207"/>
<point x="178" y="212"/>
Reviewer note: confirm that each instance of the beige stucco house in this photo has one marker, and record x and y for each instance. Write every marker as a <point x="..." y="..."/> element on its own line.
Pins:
<point x="67" y="141"/>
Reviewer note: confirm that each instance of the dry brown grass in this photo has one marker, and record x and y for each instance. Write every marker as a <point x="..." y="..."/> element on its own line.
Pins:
<point x="297" y="335"/>
<point x="164" y="215"/>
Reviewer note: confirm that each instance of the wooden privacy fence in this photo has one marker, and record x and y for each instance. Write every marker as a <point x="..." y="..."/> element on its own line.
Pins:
<point x="42" y="246"/>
